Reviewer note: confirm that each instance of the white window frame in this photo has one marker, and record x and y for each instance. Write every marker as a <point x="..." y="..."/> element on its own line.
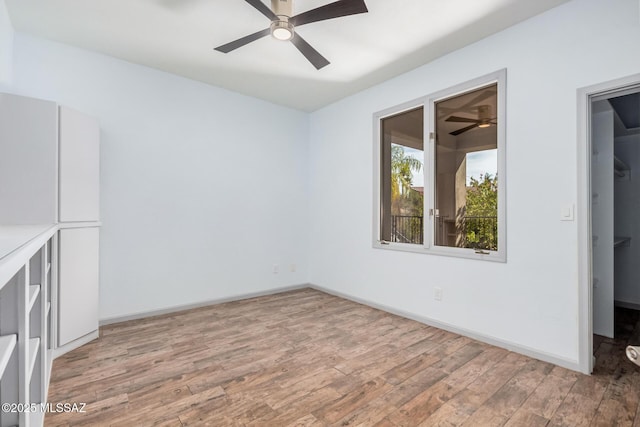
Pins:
<point x="428" y="103"/>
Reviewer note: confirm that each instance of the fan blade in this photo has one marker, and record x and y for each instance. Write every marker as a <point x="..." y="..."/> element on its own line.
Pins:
<point x="309" y="52"/>
<point x="330" y="11"/>
<point x="461" y="120"/>
<point x="226" y="48"/>
<point x="263" y="8"/>
<point x="463" y="130"/>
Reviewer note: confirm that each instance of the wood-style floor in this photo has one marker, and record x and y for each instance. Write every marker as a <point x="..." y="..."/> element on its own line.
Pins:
<point x="305" y="358"/>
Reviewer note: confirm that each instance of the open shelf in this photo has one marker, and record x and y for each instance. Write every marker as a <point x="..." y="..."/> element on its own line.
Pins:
<point x="620" y="168"/>
<point x="34" y="347"/>
<point x="620" y="241"/>
<point x="15" y="237"/>
<point x="7" y="345"/>
<point x="34" y="290"/>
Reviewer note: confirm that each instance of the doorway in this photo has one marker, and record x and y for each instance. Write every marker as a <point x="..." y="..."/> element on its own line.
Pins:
<point x="609" y="232"/>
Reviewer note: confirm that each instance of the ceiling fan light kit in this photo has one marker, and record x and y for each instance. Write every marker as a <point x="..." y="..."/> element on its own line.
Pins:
<point x="283" y="23"/>
<point x="484" y="120"/>
<point x="282" y="29"/>
<point x="484" y="116"/>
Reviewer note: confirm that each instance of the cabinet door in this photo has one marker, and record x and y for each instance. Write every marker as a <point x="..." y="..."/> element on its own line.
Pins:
<point x="28" y="158"/>
<point x="78" y="283"/>
<point x="79" y="167"/>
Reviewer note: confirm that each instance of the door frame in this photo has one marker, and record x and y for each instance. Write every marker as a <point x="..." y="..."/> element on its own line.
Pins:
<point x="585" y="261"/>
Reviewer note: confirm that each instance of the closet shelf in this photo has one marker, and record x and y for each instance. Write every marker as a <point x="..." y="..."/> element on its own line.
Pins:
<point x="34" y="290"/>
<point x="7" y="345"/>
<point x="18" y="243"/>
<point x="620" y="241"/>
<point x="34" y="347"/>
<point x="620" y="168"/>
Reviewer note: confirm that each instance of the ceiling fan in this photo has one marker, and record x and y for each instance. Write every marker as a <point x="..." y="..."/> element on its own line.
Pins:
<point x="484" y="120"/>
<point x="283" y="24"/>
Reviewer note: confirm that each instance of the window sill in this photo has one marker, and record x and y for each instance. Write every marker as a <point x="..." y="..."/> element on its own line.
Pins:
<point x="492" y="256"/>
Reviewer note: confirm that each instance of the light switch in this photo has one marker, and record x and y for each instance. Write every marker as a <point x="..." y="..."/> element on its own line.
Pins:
<point x="566" y="213"/>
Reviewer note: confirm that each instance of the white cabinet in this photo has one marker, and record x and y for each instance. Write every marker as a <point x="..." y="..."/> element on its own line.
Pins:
<point x="79" y="164"/>
<point x="78" y="276"/>
<point x="49" y="163"/>
<point x="28" y="160"/>
<point x="79" y="167"/>
<point x="49" y="202"/>
<point x="79" y="189"/>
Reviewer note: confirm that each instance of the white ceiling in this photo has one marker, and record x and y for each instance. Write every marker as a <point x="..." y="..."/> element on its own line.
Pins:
<point x="178" y="36"/>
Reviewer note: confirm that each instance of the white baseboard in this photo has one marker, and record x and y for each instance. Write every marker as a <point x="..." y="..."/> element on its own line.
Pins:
<point x="176" y="308"/>
<point x="516" y="348"/>
<point x="59" y="351"/>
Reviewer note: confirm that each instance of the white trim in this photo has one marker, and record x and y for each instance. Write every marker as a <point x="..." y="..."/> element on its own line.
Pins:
<point x="585" y="297"/>
<point x="517" y="348"/>
<point x="55" y="309"/>
<point x="183" y="307"/>
<point x="377" y="148"/>
<point x="76" y="224"/>
<point x="499" y="78"/>
<point x="428" y="247"/>
<point x="59" y="351"/>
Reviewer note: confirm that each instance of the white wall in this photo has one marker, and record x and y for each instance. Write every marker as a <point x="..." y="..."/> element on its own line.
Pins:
<point x="202" y="189"/>
<point x="532" y="300"/>
<point x="6" y="45"/>
<point x="627" y="206"/>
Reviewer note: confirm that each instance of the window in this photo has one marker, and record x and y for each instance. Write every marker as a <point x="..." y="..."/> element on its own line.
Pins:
<point x="445" y="196"/>
<point x="402" y="195"/>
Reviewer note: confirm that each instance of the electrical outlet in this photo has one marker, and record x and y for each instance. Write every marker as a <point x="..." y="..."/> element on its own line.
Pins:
<point x="437" y="294"/>
<point x="276" y="269"/>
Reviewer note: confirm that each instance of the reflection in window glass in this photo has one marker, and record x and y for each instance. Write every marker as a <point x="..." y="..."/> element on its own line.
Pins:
<point x="466" y="164"/>
<point x="402" y="186"/>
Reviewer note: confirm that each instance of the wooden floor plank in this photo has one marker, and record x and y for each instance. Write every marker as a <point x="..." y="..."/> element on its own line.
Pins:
<point x="581" y="404"/>
<point x="306" y="358"/>
<point x="506" y="401"/>
<point x="548" y="396"/>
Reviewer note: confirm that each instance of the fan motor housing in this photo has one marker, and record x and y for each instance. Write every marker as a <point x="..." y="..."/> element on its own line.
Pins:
<point x="282" y="7"/>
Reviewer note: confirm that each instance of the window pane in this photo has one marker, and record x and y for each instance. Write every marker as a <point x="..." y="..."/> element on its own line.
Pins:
<point x="402" y="177"/>
<point x="466" y="165"/>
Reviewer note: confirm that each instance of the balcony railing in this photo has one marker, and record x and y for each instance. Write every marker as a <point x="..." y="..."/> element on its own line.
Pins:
<point x="480" y="232"/>
<point x="407" y="229"/>
<point x="477" y="232"/>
